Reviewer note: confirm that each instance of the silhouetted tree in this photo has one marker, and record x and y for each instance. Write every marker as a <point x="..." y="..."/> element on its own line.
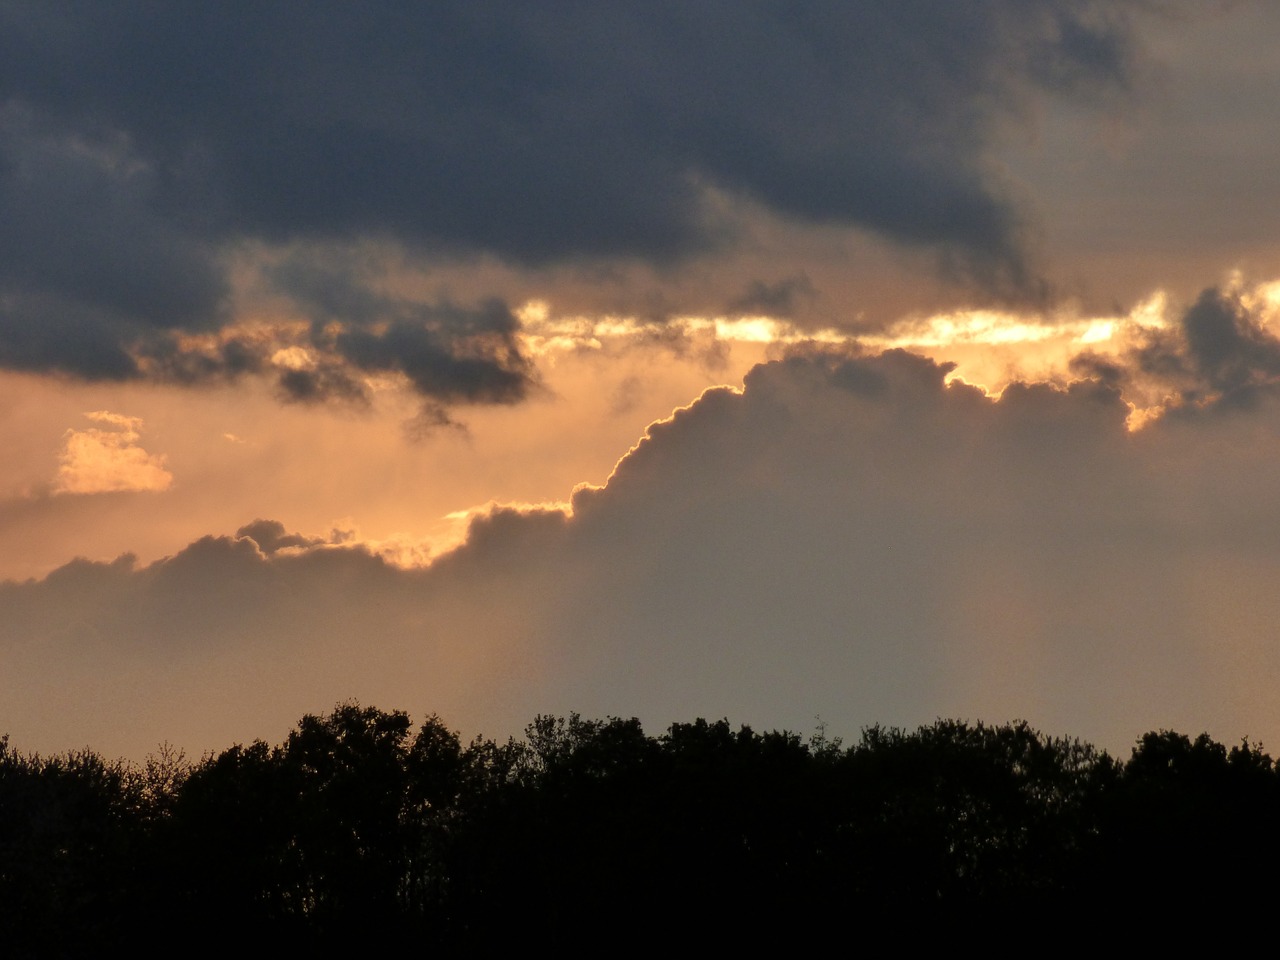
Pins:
<point x="357" y="826"/>
<point x="962" y="821"/>
<point x="1191" y="817"/>
<point x="70" y="838"/>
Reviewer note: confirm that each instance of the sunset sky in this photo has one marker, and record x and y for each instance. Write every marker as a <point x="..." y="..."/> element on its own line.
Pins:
<point x="792" y="363"/>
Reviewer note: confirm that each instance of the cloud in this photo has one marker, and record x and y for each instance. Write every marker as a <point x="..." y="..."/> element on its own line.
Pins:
<point x="851" y="536"/>
<point x="1221" y="353"/>
<point x="773" y="299"/>
<point x="108" y="459"/>
<point x="143" y="150"/>
<point x="87" y="263"/>
<point x="271" y="537"/>
<point x="447" y="353"/>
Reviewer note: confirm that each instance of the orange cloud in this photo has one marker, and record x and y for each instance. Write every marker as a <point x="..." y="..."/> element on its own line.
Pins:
<point x="108" y="459"/>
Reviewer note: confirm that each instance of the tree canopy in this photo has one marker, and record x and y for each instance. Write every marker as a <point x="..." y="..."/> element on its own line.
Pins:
<point x="358" y="825"/>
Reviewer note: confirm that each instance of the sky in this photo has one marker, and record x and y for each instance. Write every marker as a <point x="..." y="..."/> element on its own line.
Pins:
<point x="809" y="365"/>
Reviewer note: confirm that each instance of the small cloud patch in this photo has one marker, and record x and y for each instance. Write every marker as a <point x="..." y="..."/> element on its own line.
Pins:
<point x="108" y="459"/>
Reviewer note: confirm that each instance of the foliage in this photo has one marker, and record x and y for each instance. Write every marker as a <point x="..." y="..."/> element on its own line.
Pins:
<point x="357" y="822"/>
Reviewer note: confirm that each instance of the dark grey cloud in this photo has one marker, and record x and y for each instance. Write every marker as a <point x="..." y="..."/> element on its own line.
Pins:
<point x="778" y="299"/>
<point x="165" y="358"/>
<point x="449" y="353"/>
<point x="87" y="265"/>
<point x="141" y="143"/>
<point x="847" y="536"/>
<point x="1228" y="346"/>
<point x="271" y="536"/>
<point x="320" y="384"/>
<point x="1218" y="356"/>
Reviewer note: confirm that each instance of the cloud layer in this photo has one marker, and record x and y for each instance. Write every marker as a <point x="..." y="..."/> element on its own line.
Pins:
<point x="851" y="537"/>
<point x="144" y="150"/>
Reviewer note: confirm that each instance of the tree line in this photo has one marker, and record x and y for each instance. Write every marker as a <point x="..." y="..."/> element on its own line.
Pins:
<point x="591" y="833"/>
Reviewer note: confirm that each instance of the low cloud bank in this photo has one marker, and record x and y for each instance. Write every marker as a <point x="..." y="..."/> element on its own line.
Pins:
<point x="851" y="537"/>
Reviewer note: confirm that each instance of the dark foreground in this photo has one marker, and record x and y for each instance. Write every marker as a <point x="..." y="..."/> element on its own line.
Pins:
<point x="591" y="835"/>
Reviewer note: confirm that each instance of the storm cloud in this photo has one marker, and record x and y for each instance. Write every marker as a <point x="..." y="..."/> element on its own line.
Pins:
<point x="143" y="148"/>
